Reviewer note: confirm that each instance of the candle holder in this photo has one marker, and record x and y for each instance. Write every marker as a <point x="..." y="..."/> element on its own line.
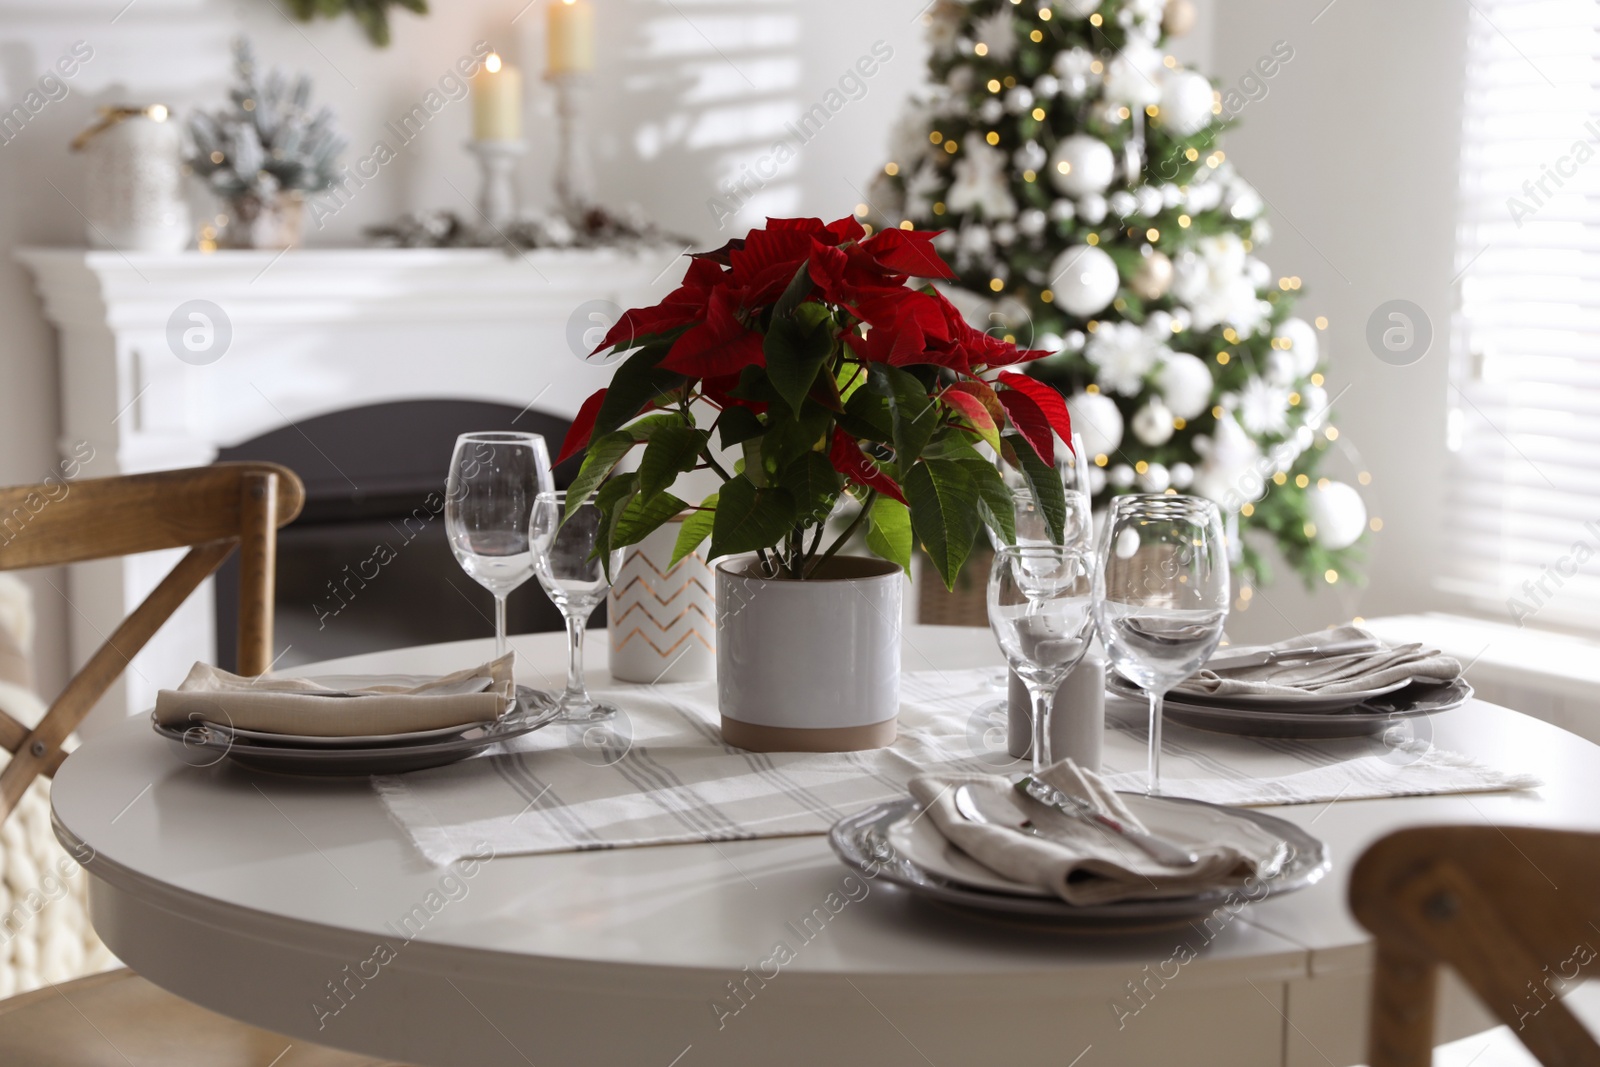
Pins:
<point x="574" y="167"/>
<point x="497" y="195"/>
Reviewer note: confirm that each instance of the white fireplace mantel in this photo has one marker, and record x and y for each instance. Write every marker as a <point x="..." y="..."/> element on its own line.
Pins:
<point x="312" y="332"/>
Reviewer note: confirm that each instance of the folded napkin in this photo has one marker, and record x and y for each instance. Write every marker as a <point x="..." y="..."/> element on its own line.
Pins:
<point x="1081" y="861"/>
<point x="1383" y="666"/>
<point x="377" y="705"/>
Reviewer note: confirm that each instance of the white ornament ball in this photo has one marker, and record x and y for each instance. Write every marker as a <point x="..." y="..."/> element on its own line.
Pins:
<point x="1281" y="368"/>
<point x="1097" y="482"/>
<point x="1152" y="424"/>
<point x="1181" y="319"/>
<point x="1122" y="476"/>
<point x="1031" y="223"/>
<point x="1073" y="342"/>
<point x="1004" y="233"/>
<point x="1303" y="344"/>
<point x="1155" y="479"/>
<point x="1082" y="164"/>
<point x="1063" y="210"/>
<point x="1186" y="102"/>
<point x="991" y="110"/>
<point x="1085" y="280"/>
<point x="1339" y="515"/>
<point x="1097" y="419"/>
<point x="1019" y="99"/>
<point x="1092" y="209"/>
<point x="1184" y="382"/>
<point x="1179" y="18"/>
<point x="1153" y="278"/>
<point x="1122" y="203"/>
<point x="1150" y="200"/>
<point x="1047" y="342"/>
<point x="1182" y="475"/>
<point x="1046" y="86"/>
<point x="1031" y="156"/>
<point x="1078" y="9"/>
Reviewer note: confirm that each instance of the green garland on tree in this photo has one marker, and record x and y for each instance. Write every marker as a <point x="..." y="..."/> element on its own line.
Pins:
<point x="372" y="14"/>
<point x="1073" y="166"/>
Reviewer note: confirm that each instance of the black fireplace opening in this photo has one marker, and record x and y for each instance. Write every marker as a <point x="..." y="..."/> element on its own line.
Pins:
<point x="367" y="566"/>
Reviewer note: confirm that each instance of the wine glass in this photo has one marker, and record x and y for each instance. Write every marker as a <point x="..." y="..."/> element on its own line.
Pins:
<point x="494" y="478"/>
<point x="1161" y="595"/>
<point x="576" y="579"/>
<point x="1041" y="612"/>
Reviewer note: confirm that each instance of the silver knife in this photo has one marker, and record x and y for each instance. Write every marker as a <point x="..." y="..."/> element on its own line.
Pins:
<point x="1226" y="661"/>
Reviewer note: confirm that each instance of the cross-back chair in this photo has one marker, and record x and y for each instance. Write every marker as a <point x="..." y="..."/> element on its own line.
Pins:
<point x="1513" y="910"/>
<point x="117" y="1018"/>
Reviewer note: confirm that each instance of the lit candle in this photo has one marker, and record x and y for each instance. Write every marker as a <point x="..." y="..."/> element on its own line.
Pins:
<point x="497" y="101"/>
<point x="569" y="29"/>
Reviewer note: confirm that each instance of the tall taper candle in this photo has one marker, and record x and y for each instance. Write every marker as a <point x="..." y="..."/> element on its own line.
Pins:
<point x="569" y="29"/>
<point x="497" y="101"/>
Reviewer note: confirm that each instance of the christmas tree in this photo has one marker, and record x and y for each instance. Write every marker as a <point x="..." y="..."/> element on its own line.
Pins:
<point x="1074" y="169"/>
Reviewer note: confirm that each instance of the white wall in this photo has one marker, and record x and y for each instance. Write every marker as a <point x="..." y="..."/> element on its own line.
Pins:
<point x="1354" y="146"/>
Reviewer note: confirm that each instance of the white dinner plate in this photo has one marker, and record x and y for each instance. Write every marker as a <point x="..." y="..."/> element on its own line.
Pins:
<point x="363" y="741"/>
<point x="1307" y="703"/>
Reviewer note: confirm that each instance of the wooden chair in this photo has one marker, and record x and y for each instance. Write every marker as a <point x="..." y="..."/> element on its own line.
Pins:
<point x="1510" y="909"/>
<point x="117" y="1018"/>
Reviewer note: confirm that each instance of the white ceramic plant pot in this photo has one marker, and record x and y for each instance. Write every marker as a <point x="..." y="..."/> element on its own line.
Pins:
<point x="809" y="666"/>
<point x="661" y="617"/>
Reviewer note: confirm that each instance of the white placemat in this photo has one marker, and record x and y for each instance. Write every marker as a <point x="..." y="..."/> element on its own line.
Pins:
<point x="662" y="775"/>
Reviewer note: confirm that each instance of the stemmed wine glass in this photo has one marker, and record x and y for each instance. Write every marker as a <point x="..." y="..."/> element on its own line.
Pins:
<point x="1041" y="612"/>
<point x="1161" y="595"/>
<point x="576" y="579"/>
<point x="494" y="479"/>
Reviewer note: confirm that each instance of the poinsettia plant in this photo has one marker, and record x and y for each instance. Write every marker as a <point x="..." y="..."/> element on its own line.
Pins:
<point x="808" y="354"/>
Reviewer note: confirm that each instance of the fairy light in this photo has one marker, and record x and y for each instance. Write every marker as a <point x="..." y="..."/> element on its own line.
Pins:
<point x="1140" y="467"/>
<point x="1038" y="114"/>
<point x="1170" y="62"/>
<point x="1301" y="481"/>
<point x="1184" y="221"/>
<point x="993" y="137"/>
<point x="980" y="49"/>
<point x="1092" y="325"/>
<point x="1331" y="576"/>
<point x="1331" y="433"/>
<point x="1030" y="176"/>
<point x="1124" y="113"/>
<point x="1092" y="389"/>
<point x="938" y="207"/>
<point x="1376" y="525"/>
<point x="1323" y="483"/>
<point x="1096" y="19"/>
<point x="1064" y="167"/>
<point x="1044" y="14"/>
<point x="1294" y="400"/>
<point x="1036" y="36"/>
<point x="1280" y="478"/>
<point x="1093" y="239"/>
<point x="1365" y="477"/>
<point x="1322" y="322"/>
<point x="1101" y="460"/>
<point x="1152" y="235"/>
<point x="1216" y="412"/>
<point x="935" y="136"/>
<point x="1153" y="110"/>
<point x="996" y="284"/>
<point x="1309" y="529"/>
<point x="1096" y="67"/>
<point x="1247" y="511"/>
<point x="1191" y="154"/>
<point x="1178" y="424"/>
<point x="950" y="147"/>
<point x="1317" y="379"/>
<point x="994" y="85"/>
<point x="891" y="169"/>
<point x="907" y="224"/>
<point x="861" y="210"/>
<point x="1010" y="82"/>
<point x="1230" y="335"/>
<point x="1223" y="357"/>
<point x="1046" y="295"/>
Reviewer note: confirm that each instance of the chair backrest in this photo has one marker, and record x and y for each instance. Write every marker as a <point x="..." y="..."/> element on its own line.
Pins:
<point x="209" y="510"/>
<point x="1512" y="910"/>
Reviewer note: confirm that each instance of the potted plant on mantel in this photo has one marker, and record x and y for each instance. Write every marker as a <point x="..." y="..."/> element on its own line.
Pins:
<point x="822" y="374"/>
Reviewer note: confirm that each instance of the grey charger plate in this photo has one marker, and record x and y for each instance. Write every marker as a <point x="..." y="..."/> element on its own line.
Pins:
<point x="1368" y="719"/>
<point x="207" y="743"/>
<point x="862" y="843"/>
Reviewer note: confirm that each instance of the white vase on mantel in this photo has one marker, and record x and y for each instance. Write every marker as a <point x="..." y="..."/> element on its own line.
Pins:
<point x="809" y="665"/>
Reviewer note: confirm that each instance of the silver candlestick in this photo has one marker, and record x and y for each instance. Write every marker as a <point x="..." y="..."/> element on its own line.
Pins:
<point x="574" y="167"/>
<point x="497" y="196"/>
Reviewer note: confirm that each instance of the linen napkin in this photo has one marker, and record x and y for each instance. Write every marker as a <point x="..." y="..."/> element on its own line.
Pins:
<point x="1083" y="862"/>
<point x="1387" y="664"/>
<point x="391" y="704"/>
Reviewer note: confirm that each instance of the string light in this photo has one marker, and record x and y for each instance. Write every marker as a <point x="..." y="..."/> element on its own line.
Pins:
<point x="1140" y="467"/>
<point x="1101" y="460"/>
<point x="938" y="207"/>
<point x="1280" y="478"/>
<point x="1124" y="113"/>
<point x="906" y="224"/>
<point x="993" y="137"/>
<point x="1046" y="295"/>
<point x="1093" y="239"/>
<point x="1376" y="525"/>
<point x="1038" y="114"/>
<point x="1152" y="235"/>
<point x="1309" y="529"/>
<point x="980" y="49"/>
<point x="1096" y="19"/>
<point x="1044" y="14"/>
<point x="996" y="284"/>
<point x="1294" y="400"/>
<point x="1036" y="36"/>
<point x="1029" y="176"/>
<point x="1191" y="154"/>
<point x="1152" y="110"/>
<point x="1178" y="424"/>
<point x="994" y="85"/>
<point x="1096" y="67"/>
<point x="1331" y="576"/>
<point x="891" y="169"/>
<point x="950" y="146"/>
<point x="1184" y="221"/>
<point x="1317" y="379"/>
<point x="1223" y="357"/>
<point x="1365" y="477"/>
<point x="935" y="136"/>
<point x="861" y="210"/>
<point x="1170" y="62"/>
<point x="1322" y="322"/>
<point x="1247" y="511"/>
<point x="1331" y="433"/>
<point x="1301" y="481"/>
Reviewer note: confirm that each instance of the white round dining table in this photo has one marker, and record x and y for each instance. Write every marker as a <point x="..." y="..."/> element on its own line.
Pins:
<point x="274" y="899"/>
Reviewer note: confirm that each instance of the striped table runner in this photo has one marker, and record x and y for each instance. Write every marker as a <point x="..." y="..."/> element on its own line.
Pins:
<point x="661" y="774"/>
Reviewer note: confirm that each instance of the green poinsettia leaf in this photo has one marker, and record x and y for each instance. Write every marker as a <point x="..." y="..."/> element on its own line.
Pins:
<point x="671" y="451"/>
<point x="601" y="458"/>
<point x="636" y="384"/>
<point x="796" y="348"/>
<point x="1044" y="481"/>
<point x="642" y="516"/>
<point x="814" y="485"/>
<point x="914" y="416"/>
<point x="944" y="513"/>
<point x="737" y="424"/>
<point x="748" y="518"/>
<point x="695" y="529"/>
<point x="889" y="534"/>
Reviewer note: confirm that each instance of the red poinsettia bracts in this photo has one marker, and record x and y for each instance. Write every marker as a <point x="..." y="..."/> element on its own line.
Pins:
<point x="832" y="366"/>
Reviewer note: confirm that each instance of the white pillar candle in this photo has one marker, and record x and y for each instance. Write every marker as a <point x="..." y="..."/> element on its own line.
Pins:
<point x="497" y="101"/>
<point x="569" y="32"/>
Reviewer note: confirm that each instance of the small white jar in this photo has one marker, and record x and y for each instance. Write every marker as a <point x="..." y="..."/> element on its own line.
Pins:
<point x="133" y="179"/>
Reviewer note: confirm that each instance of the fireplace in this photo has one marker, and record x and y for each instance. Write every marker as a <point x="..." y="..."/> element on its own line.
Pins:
<point x="367" y="565"/>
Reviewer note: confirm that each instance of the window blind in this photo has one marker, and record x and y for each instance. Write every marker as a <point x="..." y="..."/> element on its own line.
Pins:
<point x="1525" y="376"/>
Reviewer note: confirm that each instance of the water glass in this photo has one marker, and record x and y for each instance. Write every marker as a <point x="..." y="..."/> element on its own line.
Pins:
<point x="576" y="578"/>
<point x="1041" y="612"/>
<point x="1161" y="595"/>
<point x="494" y="480"/>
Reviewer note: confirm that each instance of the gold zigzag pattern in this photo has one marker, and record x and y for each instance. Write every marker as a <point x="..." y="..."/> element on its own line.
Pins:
<point x="638" y="579"/>
<point x="640" y="557"/>
<point x="638" y="605"/>
<point x="636" y="632"/>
